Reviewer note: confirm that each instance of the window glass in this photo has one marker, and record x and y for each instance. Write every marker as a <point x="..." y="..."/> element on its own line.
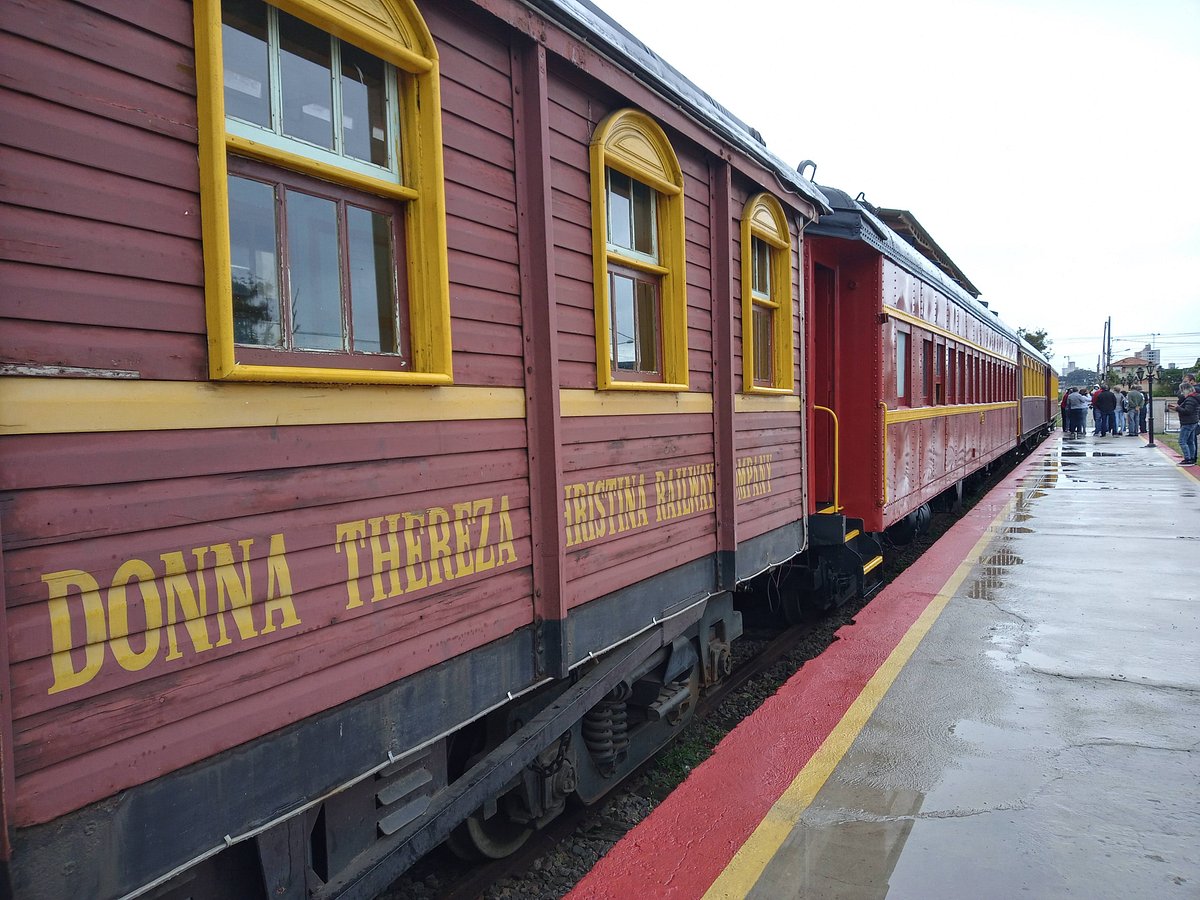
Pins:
<point x="630" y="214"/>
<point x="314" y="279"/>
<point x="624" y="344"/>
<point x="246" y="56"/>
<point x="372" y="286"/>
<point x="927" y="372"/>
<point x="253" y="247"/>
<point x="305" y="67"/>
<point x="364" y="106"/>
<point x="647" y="313"/>
<point x="764" y="345"/>
<point x="761" y="251"/>
<point x="902" y="363"/>
<point x="635" y="322"/>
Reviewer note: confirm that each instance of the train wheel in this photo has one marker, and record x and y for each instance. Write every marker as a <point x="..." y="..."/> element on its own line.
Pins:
<point x="489" y="832"/>
<point x="494" y="837"/>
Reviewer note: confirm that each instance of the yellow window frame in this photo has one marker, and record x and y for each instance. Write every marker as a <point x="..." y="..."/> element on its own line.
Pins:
<point x="394" y="31"/>
<point x="632" y="143"/>
<point x="763" y="218"/>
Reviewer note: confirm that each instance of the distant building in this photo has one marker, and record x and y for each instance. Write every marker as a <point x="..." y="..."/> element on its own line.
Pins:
<point x="1129" y="366"/>
<point x="1150" y="355"/>
<point x="1071" y="367"/>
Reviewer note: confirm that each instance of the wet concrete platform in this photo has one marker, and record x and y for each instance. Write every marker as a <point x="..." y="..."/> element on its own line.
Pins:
<point x="1018" y="715"/>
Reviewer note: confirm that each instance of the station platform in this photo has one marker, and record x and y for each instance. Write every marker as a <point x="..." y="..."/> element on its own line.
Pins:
<point x="1017" y="715"/>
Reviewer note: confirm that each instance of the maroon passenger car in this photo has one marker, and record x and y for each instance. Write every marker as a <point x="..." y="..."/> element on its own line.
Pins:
<point x="921" y="377"/>
<point x="391" y="390"/>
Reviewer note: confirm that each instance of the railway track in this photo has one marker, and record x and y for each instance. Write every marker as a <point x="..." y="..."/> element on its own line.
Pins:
<point x="444" y="877"/>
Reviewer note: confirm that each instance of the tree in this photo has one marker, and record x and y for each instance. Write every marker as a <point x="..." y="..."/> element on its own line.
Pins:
<point x="1039" y="339"/>
<point x="1080" y="378"/>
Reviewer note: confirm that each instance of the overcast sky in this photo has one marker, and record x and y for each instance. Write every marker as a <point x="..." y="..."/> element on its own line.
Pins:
<point x="1051" y="148"/>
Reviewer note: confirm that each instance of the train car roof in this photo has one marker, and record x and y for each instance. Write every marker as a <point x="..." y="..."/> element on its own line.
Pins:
<point x="597" y="28"/>
<point x="854" y="220"/>
<point x="905" y="224"/>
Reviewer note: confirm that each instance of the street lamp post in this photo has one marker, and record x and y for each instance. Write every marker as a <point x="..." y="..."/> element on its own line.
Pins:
<point x="1149" y="373"/>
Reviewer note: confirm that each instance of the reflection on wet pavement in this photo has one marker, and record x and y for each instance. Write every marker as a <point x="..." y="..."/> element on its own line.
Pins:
<point x="1046" y="741"/>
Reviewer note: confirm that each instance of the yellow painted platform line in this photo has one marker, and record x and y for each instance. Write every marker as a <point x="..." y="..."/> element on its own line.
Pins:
<point x="747" y="865"/>
<point x="877" y="561"/>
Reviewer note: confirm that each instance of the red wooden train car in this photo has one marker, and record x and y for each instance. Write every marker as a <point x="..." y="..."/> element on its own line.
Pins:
<point x="921" y="378"/>
<point x="393" y="393"/>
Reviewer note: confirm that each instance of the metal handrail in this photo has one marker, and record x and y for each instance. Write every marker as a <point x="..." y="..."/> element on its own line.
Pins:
<point x="883" y="428"/>
<point x="836" y="457"/>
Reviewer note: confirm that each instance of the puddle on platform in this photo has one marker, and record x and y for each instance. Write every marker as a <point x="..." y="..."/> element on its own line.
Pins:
<point x="993" y="570"/>
<point x="1089" y="453"/>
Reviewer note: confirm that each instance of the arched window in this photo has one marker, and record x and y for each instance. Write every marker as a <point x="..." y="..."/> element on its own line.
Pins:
<point x="766" y="298"/>
<point x="638" y="250"/>
<point x="321" y="190"/>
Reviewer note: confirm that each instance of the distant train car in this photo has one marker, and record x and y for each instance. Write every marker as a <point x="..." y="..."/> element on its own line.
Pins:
<point x="914" y="382"/>
<point x="1039" y="395"/>
<point x="393" y="394"/>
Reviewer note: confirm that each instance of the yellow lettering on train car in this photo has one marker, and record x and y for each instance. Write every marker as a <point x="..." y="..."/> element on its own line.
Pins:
<point x="129" y="620"/>
<point x="684" y="491"/>
<point x="754" y="476"/>
<point x="415" y="550"/>
<point x="604" y="507"/>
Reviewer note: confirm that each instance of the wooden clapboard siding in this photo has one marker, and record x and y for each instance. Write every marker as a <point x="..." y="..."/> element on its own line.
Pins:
<point x="328" y="633"/>
<point x="89" y="298"/>
<point x="573" y="116"/>
<point x="642" y="446"/>
<point x="57" y="789"/>
<point x="103" y="270"/>
<point x="108" y="198"/>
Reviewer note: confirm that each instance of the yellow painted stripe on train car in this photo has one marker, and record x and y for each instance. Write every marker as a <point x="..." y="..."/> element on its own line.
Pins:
<point x="574" y="403"/>
<point x="756" y="403"/>
<point x="873" y="564"/>
<point x="71" y="405"/>
<point x="747" y="865"/>
<point x="938" y="412"/>
<point x="851" y="535"/>
<point x="937" y="329"/>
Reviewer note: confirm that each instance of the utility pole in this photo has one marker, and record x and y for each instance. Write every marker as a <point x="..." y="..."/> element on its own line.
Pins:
<point x="1108" y="345"/>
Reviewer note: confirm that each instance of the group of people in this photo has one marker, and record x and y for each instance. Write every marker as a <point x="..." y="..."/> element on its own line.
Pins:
<point x="1113" y="412"/>
<point x="1122" y="411"/>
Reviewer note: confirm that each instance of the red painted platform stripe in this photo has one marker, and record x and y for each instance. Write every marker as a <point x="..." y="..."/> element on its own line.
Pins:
<point x="684" y="845"/>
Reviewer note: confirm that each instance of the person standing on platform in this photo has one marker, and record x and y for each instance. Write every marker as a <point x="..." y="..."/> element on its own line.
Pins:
<point x="1188" y="408"/>
<point x="1119" y="412"/>
<point x="1077" y="404"/>
<point x="1134" y="418"/>
<point x="1105" y="403"/>
<point x="1095" y="409"/>
<point x="1188" y="380"/>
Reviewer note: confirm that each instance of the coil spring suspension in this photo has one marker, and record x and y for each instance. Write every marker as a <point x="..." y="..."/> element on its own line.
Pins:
<point x="606" y="732"/>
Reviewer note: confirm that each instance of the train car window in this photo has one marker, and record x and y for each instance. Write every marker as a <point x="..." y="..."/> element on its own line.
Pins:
<point x="939" y="374"/>
<point x="951" y="381"/>
<point x="767" y="342"/>
<point x="962" y="377"/>
<point x="903" y="364"/>
<point x="638" y="248"/>
<point x="636" y="334"/>
<point x="927" y="373"/>
<point x="322" y="194"/>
